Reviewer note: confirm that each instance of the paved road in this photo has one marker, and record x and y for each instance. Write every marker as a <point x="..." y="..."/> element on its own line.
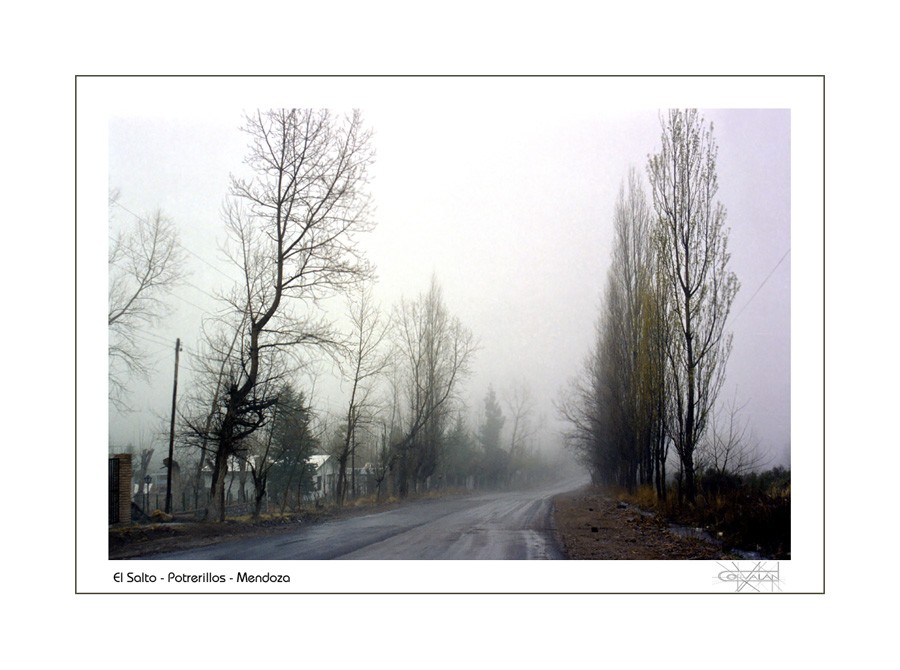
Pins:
<point x="508" y="525"/>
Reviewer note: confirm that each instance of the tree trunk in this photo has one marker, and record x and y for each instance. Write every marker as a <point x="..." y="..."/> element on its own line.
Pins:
<point x="215" y="510"/>
<point x="690" y="490"/>
<point x="341" y="485"/>
<point x="259" y="497"/>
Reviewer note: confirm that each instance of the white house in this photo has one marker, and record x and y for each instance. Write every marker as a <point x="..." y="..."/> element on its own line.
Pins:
<point x="326" y="473"/>
<point x="324" y="476"/>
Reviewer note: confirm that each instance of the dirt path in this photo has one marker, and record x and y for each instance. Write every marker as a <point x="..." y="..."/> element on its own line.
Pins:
<point x="594" y="526"/>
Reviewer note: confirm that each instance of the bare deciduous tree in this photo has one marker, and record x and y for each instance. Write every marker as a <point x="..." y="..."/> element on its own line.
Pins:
<point x="145" y="264"/>
<point x="634" y="328"/>
<point x="692" y="245"/>
<point x="614" y="406"/>
<point x="435" y="352"/>
<point x="293" y="225"/>
<point x="581" y="407"/>
<point x="521" y="406"/>
<point x="366" y="360"/>
<point x="730" y="447"/>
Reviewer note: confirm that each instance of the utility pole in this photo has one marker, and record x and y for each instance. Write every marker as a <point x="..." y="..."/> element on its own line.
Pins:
<point x="172" y="433"/>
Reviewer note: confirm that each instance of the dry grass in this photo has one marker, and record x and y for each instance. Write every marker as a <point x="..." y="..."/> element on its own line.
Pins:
<point x="752" y="515"/>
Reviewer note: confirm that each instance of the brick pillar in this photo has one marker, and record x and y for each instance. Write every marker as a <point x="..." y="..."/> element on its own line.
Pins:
<point x="125" y="485"/>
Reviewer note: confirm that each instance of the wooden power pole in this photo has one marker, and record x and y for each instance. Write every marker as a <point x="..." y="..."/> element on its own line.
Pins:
<point x="172" y="433"/>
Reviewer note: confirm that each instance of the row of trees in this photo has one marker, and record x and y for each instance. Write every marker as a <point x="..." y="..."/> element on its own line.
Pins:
<point x="293" y="222"/>
<point x="651" y="381"/>
<point x="275" y="466"/>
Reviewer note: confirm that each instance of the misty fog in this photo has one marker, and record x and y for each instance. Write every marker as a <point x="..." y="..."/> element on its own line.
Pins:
<point x="505" y="196"/>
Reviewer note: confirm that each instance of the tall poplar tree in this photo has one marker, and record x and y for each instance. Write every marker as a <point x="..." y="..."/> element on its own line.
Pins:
<point x="692" y="247"/>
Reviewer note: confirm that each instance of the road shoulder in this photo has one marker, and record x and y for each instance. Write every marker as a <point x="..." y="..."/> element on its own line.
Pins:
<point x="593" y="525"/>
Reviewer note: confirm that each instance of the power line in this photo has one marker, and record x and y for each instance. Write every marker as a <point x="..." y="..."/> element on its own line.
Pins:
<point x="196" y="288"/>
<point x="182" y="281"/>
<point x="206" y="262"/>
<point x="185" y="300"/>
<point x="762" y="284"/>
<point x="192" y="253"/>
<point x="151" y="339"/>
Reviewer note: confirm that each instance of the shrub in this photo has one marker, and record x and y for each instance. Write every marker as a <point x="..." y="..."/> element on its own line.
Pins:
<point x="715" y="483"/>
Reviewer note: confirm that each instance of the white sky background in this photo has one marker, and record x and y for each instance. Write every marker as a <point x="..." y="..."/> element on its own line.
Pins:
<point x="503" y="188"/>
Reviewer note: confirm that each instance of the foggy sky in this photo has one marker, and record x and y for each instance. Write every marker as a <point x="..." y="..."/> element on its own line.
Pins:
<point x="504" y="190"/>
